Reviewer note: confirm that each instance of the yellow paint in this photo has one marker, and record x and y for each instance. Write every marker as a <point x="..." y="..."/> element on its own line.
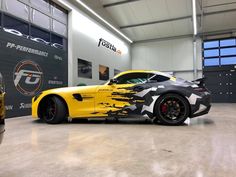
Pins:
<point x="2" y="106"/>
<point x="97" y="100"/>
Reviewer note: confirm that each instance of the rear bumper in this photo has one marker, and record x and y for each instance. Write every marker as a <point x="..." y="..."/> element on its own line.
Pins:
<point x="202" y="112"/>
<point x="202" y="106"/>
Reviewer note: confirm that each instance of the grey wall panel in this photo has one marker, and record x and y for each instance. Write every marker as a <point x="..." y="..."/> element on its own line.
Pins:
<point x="29" y="68"/>
<point x="169" y="55"/>
<point x="84" y="35"/>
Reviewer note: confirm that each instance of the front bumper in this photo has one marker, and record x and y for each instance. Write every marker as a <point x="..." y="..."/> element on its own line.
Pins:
<point x="202" y="106"/>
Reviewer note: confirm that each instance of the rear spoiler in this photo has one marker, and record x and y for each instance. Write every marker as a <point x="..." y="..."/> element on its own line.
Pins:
<point x="200" y="82"/>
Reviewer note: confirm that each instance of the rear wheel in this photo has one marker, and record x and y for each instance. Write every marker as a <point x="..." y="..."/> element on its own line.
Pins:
<point x="171" y="109"/>
<point x="53" y="110"/>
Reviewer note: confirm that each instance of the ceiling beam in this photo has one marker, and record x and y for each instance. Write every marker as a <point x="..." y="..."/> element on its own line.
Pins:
<point x="119" y="3"/>
<point x="155" y="22"/>
<point x="219" y="12"/>
<point x="218" y="32"/>
<point x="222" y="4"/>
<point x="163" y="39"/>
<point x="201" y="35"/>
<point x="175" y="19"/>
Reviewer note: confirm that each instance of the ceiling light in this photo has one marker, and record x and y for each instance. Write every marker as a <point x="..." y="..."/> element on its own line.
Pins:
<point x="194" y="17"/>
<point x="103" y="20"/>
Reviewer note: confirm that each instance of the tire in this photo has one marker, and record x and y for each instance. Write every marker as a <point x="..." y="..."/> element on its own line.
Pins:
<point x="171" y="109"/>
<point x="53" y="110"/>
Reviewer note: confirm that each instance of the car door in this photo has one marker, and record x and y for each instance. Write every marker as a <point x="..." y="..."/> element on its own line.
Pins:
<point x="111" y="98"/>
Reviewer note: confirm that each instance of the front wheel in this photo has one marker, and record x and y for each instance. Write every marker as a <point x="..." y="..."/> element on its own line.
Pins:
<point x="53" y="110"/>
<point x="172" y="109"/>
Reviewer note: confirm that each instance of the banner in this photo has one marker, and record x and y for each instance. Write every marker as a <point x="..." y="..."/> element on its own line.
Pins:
<point x="28" y="68"/>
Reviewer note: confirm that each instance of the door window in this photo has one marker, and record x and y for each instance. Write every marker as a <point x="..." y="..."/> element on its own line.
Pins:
<point x="134" y="78"/>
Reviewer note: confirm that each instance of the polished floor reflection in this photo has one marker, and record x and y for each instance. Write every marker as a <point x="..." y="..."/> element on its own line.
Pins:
<point x="203" y="147"/>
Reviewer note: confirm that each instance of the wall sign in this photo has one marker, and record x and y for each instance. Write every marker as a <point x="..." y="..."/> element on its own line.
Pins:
<point x="84" y="69"/>
<point x="104" y="43"/>
<point x="103" y="72"/>
<point x="28" y="77"/>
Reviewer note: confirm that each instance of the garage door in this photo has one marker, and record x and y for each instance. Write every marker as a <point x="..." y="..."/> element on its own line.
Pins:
<point x="219" y="67"/>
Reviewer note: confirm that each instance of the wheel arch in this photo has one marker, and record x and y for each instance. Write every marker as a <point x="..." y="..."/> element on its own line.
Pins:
<point x="172" y="92"/>
<point x="51" y="95"/>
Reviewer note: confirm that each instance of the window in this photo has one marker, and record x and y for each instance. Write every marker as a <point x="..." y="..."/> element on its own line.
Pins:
<point x="134" y="78"/>
<point x="212" y="62"/>
<point x="17" y="8"/>
<point x="228" y="51"/>
<point x="211" y="53"/>
<point x="211" y="44"/>
<point x="59" y="13"/>
<point x="228" y="60"/>
<point x="227" y="42"/>
<point x="223" y="53"/>
<point x="16" y="27"/>
<point x="59" y="28"/>
<point x="40" y="19"/>
<point x="41" y="4"/>
<point x="160" y="78"/>
<point x="58" y="42"/>
<point x="40" y="35"/>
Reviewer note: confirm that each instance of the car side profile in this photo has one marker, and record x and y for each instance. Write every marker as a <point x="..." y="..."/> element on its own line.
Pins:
<point x="2" y="108"/>
<point x="161" y="97"/>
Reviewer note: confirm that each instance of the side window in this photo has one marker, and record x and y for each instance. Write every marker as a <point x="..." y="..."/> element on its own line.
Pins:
<point x="40" y="36"/>
<point x="160" y="78"/>
<point x="14" y="26"/>
<point x="134" y="78"/>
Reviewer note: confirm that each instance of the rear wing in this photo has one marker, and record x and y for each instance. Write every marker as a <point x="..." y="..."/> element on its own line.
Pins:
<point x="200" y="82"/>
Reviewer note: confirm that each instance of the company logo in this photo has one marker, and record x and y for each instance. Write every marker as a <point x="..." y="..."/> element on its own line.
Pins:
<point x="9" y="107"/>
<point x="25" y="105"/>
<point x="108" y="45"/>
<point x="56" y="57"/>
<point x="28" y="77"/>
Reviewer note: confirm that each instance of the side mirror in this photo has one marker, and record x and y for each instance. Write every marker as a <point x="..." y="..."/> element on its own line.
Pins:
<point x="113" y="81"/>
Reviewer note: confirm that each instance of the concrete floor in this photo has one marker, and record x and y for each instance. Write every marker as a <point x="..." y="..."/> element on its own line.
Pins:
<point x="204" y="147"/>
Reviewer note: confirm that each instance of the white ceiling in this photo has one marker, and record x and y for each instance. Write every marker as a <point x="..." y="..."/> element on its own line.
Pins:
<point x="137" y="12"/>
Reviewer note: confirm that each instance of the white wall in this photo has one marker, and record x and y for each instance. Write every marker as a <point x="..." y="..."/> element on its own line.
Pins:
<point x="84" y="34"/>
<point x="169" y="55"/>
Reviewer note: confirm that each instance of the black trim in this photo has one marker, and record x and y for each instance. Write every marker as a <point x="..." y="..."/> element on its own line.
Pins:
<point x="201" y="113"/>
<point x="78" y="97"/>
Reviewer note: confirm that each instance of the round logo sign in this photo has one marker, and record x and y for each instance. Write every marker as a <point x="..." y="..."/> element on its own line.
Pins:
<point x="28" y="77"/>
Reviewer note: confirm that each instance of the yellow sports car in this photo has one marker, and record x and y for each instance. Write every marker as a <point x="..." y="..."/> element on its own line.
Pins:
<point x="159" y="96"/>
<point x="2" y="108"/>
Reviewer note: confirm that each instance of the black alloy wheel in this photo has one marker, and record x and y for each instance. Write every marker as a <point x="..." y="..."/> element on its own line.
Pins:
<point x="172" y="109"/>
<point x="53" y="110"/>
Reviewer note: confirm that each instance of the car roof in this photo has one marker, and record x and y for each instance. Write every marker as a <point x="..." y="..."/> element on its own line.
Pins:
<point x="139" y="71"/>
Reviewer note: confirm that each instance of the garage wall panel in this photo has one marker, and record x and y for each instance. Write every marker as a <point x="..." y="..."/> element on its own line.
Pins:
<point x="169" y="55"/>
<point x="84" y="36"/>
